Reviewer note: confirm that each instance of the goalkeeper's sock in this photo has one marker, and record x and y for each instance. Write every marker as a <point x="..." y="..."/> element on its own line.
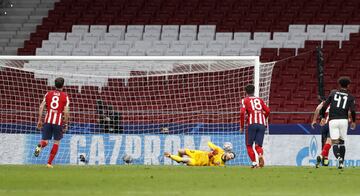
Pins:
<point x="53" y="153"/>
<point x="176" y="158"/>
<point x="325" y="151"/>
<point x="251" y="153"/>
<point x="259" y="150"/>
<point x="43" y="144"/>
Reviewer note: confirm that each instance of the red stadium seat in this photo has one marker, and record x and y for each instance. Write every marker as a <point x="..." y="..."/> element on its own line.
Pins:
<point x="300" y="118"/>
<point x="312" y="44"/>
<point x="330" y="44"/>
<point x="278" y="120"/>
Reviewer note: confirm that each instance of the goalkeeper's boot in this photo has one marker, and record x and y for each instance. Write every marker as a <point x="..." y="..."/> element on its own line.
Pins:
<point x="49" y="166"/>
<point x="318" y="161"/>
<point x="261" y="161"/>
<point x="341" y="163"/>
<point x="167" y="154"/>
<point x="325" y="162"/>
<point x="37" y="150"/>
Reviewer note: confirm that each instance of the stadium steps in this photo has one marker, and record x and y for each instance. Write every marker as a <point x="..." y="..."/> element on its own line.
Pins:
<point x="18" y="19"/>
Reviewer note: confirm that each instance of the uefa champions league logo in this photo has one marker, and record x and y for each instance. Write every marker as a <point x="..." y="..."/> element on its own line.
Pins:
<point x="308" y="152"/>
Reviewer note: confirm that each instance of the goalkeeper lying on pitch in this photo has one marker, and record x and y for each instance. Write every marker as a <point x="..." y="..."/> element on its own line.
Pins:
<point x="215" y="157"/>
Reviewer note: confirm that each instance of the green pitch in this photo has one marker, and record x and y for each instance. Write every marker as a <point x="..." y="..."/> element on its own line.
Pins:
<point x="177" y="180"/>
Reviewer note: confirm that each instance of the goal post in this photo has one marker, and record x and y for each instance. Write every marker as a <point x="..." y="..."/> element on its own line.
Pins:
<point x="136" y="106"/>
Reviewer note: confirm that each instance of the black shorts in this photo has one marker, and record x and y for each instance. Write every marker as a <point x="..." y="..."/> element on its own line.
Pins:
<point x="325" y="132"/>
<point x="255" y="133"/>
<point x="50" y="130"/>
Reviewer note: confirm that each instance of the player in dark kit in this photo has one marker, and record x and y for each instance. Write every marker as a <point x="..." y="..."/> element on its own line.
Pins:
<point x="341" y="102"/>
<point x="57" y="115"/>
<point x="257" y="112"/>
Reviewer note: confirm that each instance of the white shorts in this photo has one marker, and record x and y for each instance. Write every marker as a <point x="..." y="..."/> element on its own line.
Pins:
<point x="338" y="128"/>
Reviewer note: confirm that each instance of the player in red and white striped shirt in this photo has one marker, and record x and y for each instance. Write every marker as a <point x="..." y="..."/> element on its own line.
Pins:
<point x="56" y="119"/>
<point x="325" y="136"/>
<point x="257" y="113"/>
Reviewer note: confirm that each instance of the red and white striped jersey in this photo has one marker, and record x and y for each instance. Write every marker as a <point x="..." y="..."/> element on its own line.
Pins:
<point x="256" y="109"/>
<point x="56" y="101"/>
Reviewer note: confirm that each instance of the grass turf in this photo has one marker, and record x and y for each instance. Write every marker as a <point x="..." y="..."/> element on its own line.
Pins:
<point x="176" y="180"/>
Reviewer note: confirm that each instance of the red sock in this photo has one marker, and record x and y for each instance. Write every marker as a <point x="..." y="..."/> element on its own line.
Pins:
<point x="43" y="143"/>
<point x="53" y="153"/>
<point x="251" y="153"/>
<point x="325" y="151"/>
<point x="259" y="150"/>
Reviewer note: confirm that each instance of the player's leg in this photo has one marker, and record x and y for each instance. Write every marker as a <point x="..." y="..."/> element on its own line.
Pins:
<point x="176" y="158"/>
<point x="53" y="152"/>
<point x="324" y="134"/>
<point x="335" y="136"/>
<point x="46" y="135"/>
<point x="259" y="139"/>
<point x="343" y="127"/>
<point x="173" y="157"/>
<point x="192" y="153"/>
<point x="57" y="131"/>
<point x="181" y="152"/>
<point x="327" y="144"/>
<point x="190" y="161"/>
<point x="341" y="157"/>
<point x="250" y="139"/>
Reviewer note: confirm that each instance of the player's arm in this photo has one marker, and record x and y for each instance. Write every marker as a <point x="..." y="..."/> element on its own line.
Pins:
<point x="66" y="114"/>
<point x="353" y="114"/>
<point x="214" y="148"/>
<point x="242" y="116"/>
<point x="323" y="109"/>
<point x="216" y="163"/>
<point x="265" y="108"/>
<point x="40" y="113"/>
<point x="316" y="114"/>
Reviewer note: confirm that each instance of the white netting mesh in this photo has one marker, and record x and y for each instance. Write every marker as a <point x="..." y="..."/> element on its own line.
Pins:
<point x="139" y="108"/>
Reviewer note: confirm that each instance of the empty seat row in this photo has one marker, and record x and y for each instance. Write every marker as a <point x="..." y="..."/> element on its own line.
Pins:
<point x="142" y="28"/>
<point x="207" y="28"/>
<point x="52" y="45"/>
<point x="96" y="67"/>
<point x="324" y="28"/>
<point x="154" y="32"/>
<point x="124" y="51"/>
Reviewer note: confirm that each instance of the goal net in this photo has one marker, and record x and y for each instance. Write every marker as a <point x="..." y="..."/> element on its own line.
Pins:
<point x="135" y="106"/>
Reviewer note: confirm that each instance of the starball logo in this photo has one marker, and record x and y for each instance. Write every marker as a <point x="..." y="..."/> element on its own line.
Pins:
<point x="308" y="152"/>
